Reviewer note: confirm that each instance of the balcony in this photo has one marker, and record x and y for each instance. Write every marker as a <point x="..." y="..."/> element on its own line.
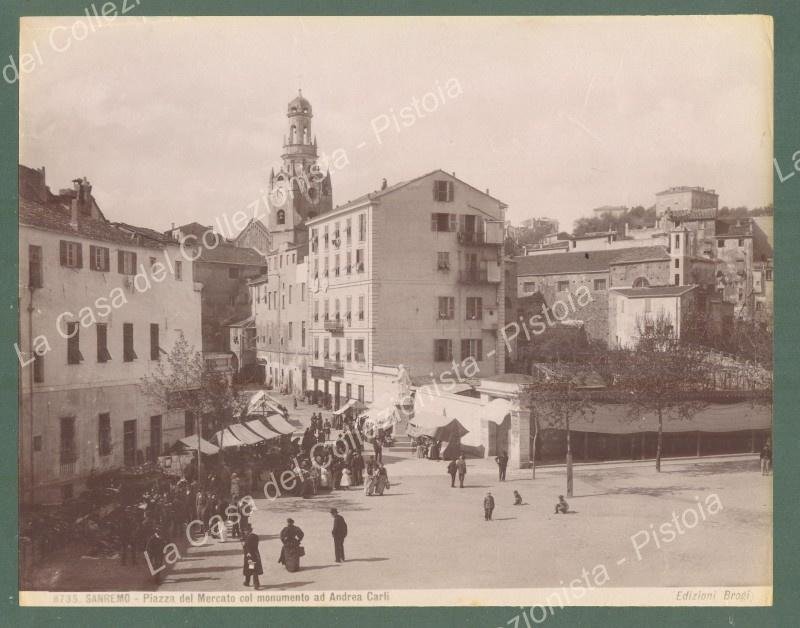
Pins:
<point x="473" y="275"/>
<point x="336" y="367"/>
<point x="335" y="326"/>
<point x="477" y="238"/>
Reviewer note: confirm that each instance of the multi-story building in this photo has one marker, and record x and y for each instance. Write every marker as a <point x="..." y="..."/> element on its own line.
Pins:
<point x="223" y="269"/>
<point x="281" y="312"/>
<point x="410" y="275"/>
<point x="685" y="198"/>
<point x="99" y="306"/>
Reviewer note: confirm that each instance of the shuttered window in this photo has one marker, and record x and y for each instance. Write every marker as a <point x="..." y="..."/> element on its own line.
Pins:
<point x="71" y="254"/>
<point x="128" y="354"/>
<point x="102" y="343"/>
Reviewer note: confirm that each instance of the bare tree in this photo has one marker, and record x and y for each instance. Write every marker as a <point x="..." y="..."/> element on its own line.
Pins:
<point x="182" y="380"/>
<point x="559" y="394"/>
<point x="662" y="376"/>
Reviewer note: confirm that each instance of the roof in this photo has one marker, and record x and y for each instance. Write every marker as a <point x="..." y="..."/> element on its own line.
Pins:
<point x="55" y="216"/>
<point x="146" y="233"/>
<point x="654" y="291"/>
<point x="685" y="188"/>
<point x="229" y="254"/>
<point x="589" y="261"/>
<point x="371" y="196"/>
<point x="247" y="322"/>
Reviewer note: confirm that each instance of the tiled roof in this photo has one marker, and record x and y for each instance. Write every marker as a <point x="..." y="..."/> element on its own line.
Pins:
<point x="147" y="233"/>
<point x="588" y="261"/>
<point x="653" y="291"/>
<point x="55" y="216"/>
<point x="687" y="215"/>
<point x="229" y="254"/>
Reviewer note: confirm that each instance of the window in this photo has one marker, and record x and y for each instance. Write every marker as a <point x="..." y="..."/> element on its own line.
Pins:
<point x="472" y="348"/>
<point x="178" y="270"/>
<point x="290" y="294"/>
<point x="358" y="350"/>
<point x="73" y="344"/>
<point x="281" y="217"/>
<point x="599" y="284"/>
<point x="361" y="307"/>
<point x="128" y="354"/>
<point x="327" y="309"/>
<point x="447" y="308"/>
<point x="37" y="443"/>
<point x="443" y="191"/>
<point x="326" y="348"/>
<point x="443" y="222"/>
<point x="34" y="266"/>
<point x="474" y="308"/>
<point x="677" y="263"/>
<point x="302" y="333"/>
<point x="529" y="286"/>
<point x="347" y="267"/>
<point x="720" y="244"/>
<point x="316" y="347"/>
<point x="290" y="330"/>
<point x="326" y="271"/>
<point x="768" y="274"/>
<point x="233" y="273"/>
<point x="741" y="242"/>
<point x="348" y="350"/>
<point x="155" y="437"/>
<point x="337" y="356"/>
<point x="336" y="265"/>
<point x="337" y="239"/>
<point x="68" y="452"/>
<point x="677" y="241"/>
<point x="348" y="314"/>
<point x="104" y="434"/>
<point x="188" y="423"/>
<point x="38" y="368"/>
<point x="640" y="282"/>
<point x="443" y="260"/>
<point x="325" y="237"/>
<point x="126" y="262"/>
<point x="102" y="342"/>
<point x="360" y="260"/>
<point x="316" y="268"/>
<point x="563" y="286"/>
<point x="316" y="311"/>
<point x="71" y="254"/>
<point x="303" y="292"/>
<point x="129" y="442"/>
<point x="348" y="231"/>
<point x="348" y="391"/>
<point x="154" y="348"/>
<point x="336" y="309"/>
<point x="362" y="227"/>
<point x="99" y="258"/>
<point x="442" y="350"/>
<point x="677" y="280"/>
<point x="361" y="393"/>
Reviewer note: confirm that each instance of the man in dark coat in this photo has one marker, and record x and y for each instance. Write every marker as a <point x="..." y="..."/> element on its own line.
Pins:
<point x="339" y="533"/>
<point x="488" y="506"/>
<point x="128" y="532"/>
<point x="291" y="536"/>
<point x="252" y="559"/>
<point x="502" y="463"/>
<point x="461" y="465"/>
<point x="155" y="554"/>
<point x="451" y="469"/>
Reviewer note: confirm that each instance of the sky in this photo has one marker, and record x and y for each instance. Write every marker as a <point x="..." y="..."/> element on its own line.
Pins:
<point x="180" y="119"/>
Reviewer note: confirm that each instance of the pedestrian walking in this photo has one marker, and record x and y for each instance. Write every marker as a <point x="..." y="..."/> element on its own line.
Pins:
<point x="291" y="551"/>
<point x="381" y="480"/>
<point x="488" y="506"/>
<point x="346" y="480"/>
<point x="461" y="466"/>
<point x="502" y="463"/>
<point x="369" y="481"/>
<point x="339" y="533"/>
<point x="155" y="554"/>
<point x="766" y="458"/>
<point x="452" y="469"/>
<point x="252" y="559"/>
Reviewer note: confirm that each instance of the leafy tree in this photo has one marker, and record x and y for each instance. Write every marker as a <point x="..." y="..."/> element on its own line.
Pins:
<point x="662" y="376"/>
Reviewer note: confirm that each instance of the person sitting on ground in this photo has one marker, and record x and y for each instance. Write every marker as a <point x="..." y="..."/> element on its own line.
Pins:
<point x="517" y="499"/>
<point x="562" y="506"/>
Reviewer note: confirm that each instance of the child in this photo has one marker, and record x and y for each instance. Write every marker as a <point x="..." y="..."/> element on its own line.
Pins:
<point x="562" y="506"/>
<point x="346" y="480"/>
<point x="517" y="499"/>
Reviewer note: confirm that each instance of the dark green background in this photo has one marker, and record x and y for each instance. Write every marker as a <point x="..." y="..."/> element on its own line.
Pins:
<point x="786" y="611"/>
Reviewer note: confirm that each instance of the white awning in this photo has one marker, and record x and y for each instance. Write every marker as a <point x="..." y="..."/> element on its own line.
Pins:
<point x="345" y="407"/>
<point x="262" y="430"/>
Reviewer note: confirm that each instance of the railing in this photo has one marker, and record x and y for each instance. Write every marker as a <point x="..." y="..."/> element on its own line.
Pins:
<point x="335" y="326"/>
<point x="473" y="275"/>
<point x="336" y="366"/>
<point x="68" y="468"/>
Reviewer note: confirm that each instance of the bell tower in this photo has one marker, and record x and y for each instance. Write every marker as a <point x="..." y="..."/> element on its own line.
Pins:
<point x="300" y="190"/>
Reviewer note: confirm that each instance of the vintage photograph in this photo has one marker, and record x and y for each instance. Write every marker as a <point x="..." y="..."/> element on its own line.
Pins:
<point x="395" y="311"/>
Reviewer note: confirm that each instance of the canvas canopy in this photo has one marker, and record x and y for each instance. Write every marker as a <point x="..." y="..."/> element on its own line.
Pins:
<point x="190" y="443"/>
<point x="345" y="407"/>
<point x="262" y="430"/>
<point x="441" y="428"/>
<point x="278" y="424"/>
<point x="235" y="435"/>
<point x="262" y="403"/>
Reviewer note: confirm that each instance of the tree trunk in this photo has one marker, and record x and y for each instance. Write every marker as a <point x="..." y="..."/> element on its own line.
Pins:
<point x="533" y="452"/>
<point x="569" y="461"/>
<point x="660" y="439"/>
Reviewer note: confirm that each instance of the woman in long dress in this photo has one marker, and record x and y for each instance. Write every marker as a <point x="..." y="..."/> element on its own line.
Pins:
<point x="369" y="481"/>
<point x="382" y="481"/>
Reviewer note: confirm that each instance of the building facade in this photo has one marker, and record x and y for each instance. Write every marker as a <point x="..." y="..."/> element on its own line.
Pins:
<point x="99" y="306"/>
<point x="410" y="275"/>
<point x="685" y="198"/>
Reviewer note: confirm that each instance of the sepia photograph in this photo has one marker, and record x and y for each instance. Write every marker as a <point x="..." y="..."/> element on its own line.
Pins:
<point x="395" y="311"/>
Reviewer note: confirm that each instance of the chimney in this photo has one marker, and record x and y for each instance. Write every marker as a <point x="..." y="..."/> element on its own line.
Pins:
<point x="73" y="218"/>
<point x="384" y="185"/>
